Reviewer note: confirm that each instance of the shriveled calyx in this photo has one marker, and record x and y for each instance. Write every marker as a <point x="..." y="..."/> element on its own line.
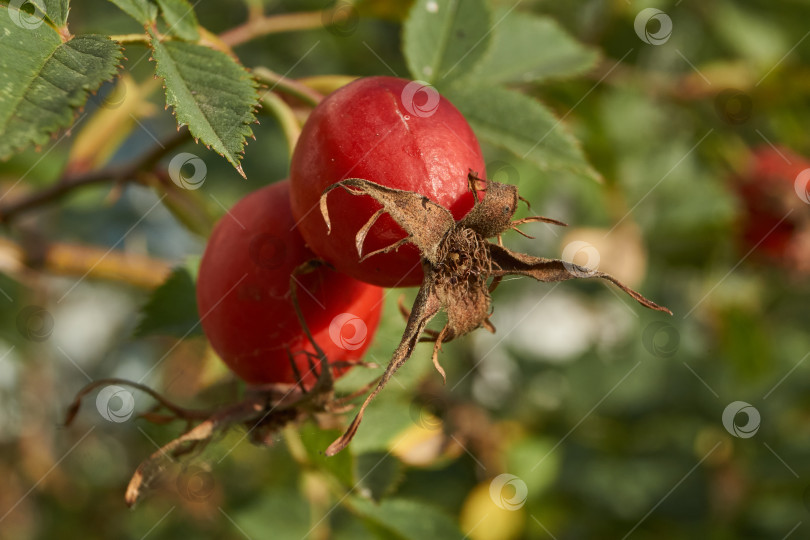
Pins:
<point x="458" y="261"/>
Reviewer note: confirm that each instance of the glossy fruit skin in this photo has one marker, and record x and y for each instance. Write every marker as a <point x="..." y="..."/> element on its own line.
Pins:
<point x="366" y="130"/>
<point x="243" y="295"/>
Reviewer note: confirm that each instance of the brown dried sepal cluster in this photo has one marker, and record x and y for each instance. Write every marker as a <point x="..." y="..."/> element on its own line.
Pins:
<point x="460" y="264"/>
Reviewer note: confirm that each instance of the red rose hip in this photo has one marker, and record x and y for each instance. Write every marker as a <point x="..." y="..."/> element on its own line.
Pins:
<point x="243" y="296"/>
<point x="394" y="132"/>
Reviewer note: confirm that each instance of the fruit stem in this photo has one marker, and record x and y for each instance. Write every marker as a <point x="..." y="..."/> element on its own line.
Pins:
<point x="286" y="118"/>
<point x="288" y="86"/>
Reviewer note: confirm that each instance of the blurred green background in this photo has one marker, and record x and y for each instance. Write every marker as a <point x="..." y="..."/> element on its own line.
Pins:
<point x="608" y="417"/>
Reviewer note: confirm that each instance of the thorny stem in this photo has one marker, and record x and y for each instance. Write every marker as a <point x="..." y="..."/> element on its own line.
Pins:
<point x="131" y="38"/>
<point x="74" y="259"/>
<point x="68" y="183"/>
<point x="181" y="412"/>
<point x="261" y="26"/>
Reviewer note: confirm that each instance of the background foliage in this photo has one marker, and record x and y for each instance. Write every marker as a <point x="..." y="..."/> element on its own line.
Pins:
<point x="609" y="417"/>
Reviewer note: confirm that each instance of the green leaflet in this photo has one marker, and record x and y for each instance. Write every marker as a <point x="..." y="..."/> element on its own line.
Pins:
<point x="43" y="81"/>
<point x="522" y="125"/>
<point x="172" y="307"/>
<point x="57" y="11"/>
<point x="181" y="19"/>
<point x="210" y="92"/>
<point x="406" y="519"/>
<point x="443" y="39"/>
<point x="143" y="11"/>
<point x="378" y="474"/>
<point x="527" y="47"/>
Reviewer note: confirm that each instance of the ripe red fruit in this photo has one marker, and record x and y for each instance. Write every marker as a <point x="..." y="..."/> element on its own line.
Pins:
<point x="243" y="296"/>
<point x="774" y="214"/>
<point x="393" y="132"/>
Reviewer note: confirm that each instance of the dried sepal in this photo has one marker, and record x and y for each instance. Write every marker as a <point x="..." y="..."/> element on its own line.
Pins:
<point x="426" y="306"/>
<point x="492" y="215"/>
<point x="461" y="267"/>
<point x="506" y="262"/>
<point x="425" y="222"/>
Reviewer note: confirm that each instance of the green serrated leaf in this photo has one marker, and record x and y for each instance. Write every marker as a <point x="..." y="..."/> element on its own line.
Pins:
<point x="444" y="39"/>
<point x="210" y="92"/>
<point x="316" y="440"/>
<point x="143" y="11"/>
<point x="406" y="519"/>
<point x="44" y="80"/>
<point x="57" y="11"/>
<point x="522" y="125"/>
<point x="181" y="19"/>
<point x="528" y="47"/>
<point x="378" y="474"/>
<point x="172" y="307"/>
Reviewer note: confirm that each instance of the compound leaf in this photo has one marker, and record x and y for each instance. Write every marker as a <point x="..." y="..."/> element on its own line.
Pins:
<point x="44" y="80"/>
<point x="210" y="92"/>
